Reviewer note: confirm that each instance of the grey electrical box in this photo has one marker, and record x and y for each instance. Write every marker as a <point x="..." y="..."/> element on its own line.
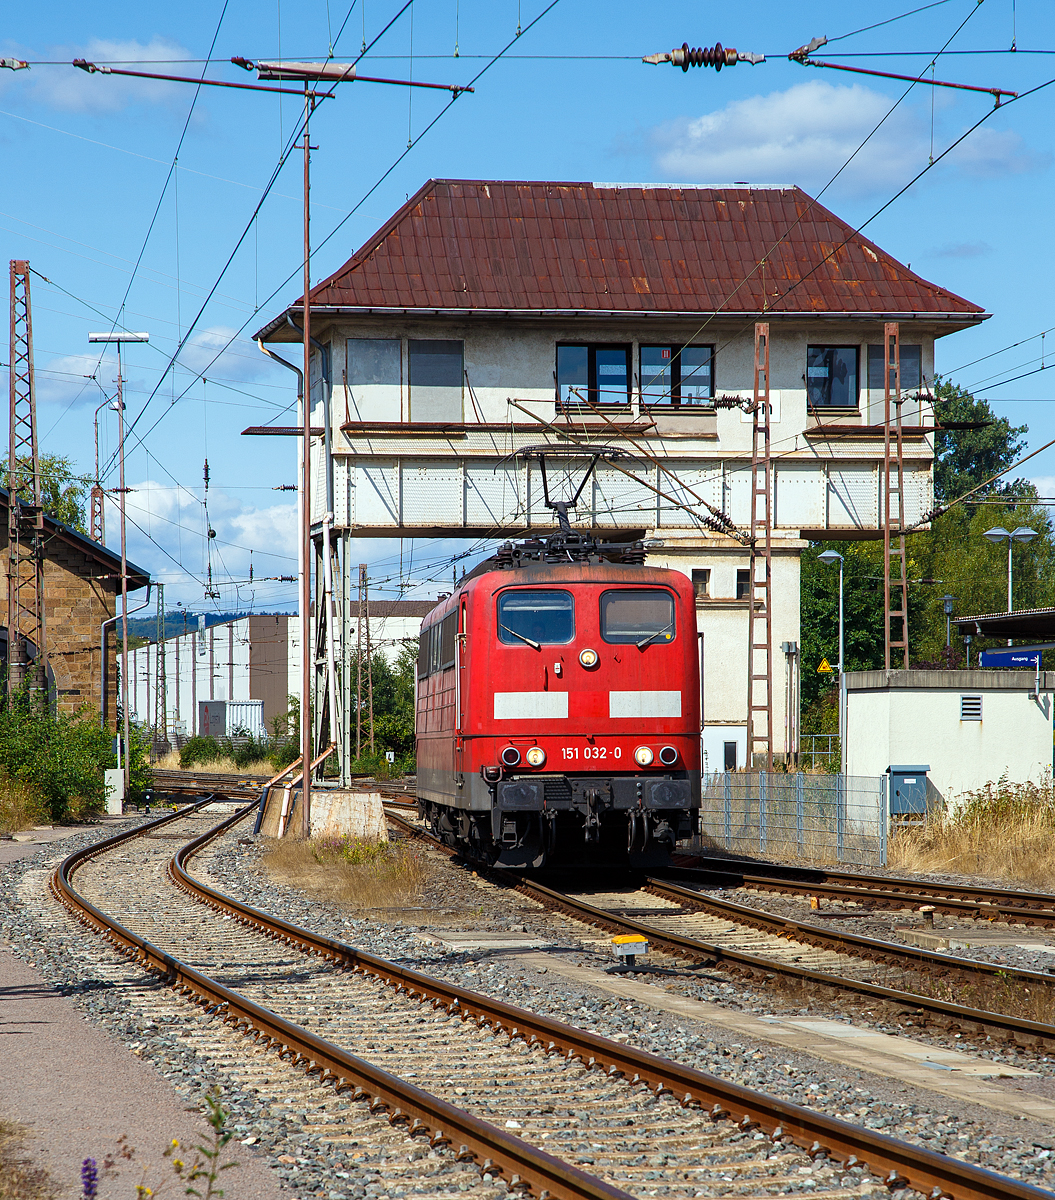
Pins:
<point x="908" y="790"/>
<point x="212" y="718"/>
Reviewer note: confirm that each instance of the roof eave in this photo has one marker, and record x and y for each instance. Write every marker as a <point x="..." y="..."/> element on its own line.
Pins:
<point x="280" y="325"/>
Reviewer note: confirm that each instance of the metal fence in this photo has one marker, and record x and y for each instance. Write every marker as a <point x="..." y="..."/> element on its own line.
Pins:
<point x="820" y="818"/>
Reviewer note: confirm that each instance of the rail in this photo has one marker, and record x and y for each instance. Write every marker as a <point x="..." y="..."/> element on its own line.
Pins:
<point x="964" y="900"/>
<point x="1018" y="1029"/>
<point x="899" y="1163"/>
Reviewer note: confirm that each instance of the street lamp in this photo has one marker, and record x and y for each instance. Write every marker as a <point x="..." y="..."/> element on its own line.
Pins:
<point x="946" y="603"/>
<point x="118" y="339"/>
<point x="998" y="534"/>
<point x="830" y="558"/>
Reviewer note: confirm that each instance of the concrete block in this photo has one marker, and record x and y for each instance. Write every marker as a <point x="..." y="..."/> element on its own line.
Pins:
<point x="334" y="813"/>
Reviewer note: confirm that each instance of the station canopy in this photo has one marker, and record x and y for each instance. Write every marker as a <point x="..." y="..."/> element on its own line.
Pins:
<point x="1037" y="624"/>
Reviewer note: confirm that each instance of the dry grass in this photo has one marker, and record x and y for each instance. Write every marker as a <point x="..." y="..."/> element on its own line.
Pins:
<point x="218" y="766"/>
<point x="1003" y="831"/>
<point x="19" y="1178"/>
<point x="348" y="871"/>
<point x="20" y="807"/>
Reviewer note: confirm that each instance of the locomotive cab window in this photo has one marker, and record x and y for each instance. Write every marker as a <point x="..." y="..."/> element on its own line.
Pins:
<point x="536" y="618"/>
<point x="641" y="617"/>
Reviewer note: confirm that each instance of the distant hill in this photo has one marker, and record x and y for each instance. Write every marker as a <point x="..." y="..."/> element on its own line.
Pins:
<point x="179" y="622"/>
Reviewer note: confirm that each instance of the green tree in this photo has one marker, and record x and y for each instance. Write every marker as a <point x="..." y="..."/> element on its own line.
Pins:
<point x="952" y="557"/>
<point x="62" y="490"/>
<point x="965" y="458"/>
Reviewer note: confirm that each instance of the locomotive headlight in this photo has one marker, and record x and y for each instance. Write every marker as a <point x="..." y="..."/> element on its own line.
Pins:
<point x="535" y="756"/>
<point x="668" y="756"/>
<point x="588" y="658"/>
<point x="643" y="756"/>
<point x="510" y="756"/>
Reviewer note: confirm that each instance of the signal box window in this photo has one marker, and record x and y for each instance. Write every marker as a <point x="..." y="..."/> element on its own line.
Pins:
<point x="911" y="369"/>
<point x="701" y="583"/>
<point x="677" y="375"/>
<point x="637" y="616"/>
<point x="599" y="374"/>
<point x="831" y="376"/>
<point x="743" y="585"/>
<point x="545" y="618"/>
<point x="436" y="369"/>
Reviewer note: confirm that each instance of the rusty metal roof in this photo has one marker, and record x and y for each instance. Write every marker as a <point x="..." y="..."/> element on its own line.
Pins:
<point x="536" y="247"/>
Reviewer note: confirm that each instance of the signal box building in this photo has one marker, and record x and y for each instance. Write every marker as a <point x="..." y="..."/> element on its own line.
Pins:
<point x="82" y="580"/>
<point x="487" y="317"/>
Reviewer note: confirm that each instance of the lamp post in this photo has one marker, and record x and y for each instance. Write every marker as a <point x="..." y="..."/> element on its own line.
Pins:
<point x="830" y="558"/>
<point x="998" y="534"/>
<point x="946" y="603"/>
<point x="117" y="339"/>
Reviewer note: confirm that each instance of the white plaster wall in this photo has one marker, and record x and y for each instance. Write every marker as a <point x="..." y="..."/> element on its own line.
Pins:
<point x="723" y="621"/>
<point x="910" y="727"/>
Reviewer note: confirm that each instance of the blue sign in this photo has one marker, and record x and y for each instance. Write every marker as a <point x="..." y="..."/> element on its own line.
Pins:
<point x="1010" y="658"/>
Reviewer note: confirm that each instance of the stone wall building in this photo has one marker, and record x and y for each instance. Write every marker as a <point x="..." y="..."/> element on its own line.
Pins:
<point x="82" y="580"/>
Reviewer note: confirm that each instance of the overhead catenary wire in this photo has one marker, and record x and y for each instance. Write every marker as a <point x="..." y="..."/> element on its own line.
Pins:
<point x="362" y="200"/>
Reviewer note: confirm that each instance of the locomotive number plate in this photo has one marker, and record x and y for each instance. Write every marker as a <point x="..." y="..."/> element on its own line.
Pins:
<point x="576" y="753"/>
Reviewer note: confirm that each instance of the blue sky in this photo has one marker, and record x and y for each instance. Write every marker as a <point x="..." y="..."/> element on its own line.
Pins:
<point x="87" y="158"/>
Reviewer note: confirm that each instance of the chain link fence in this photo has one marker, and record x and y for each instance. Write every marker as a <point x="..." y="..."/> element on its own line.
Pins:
<point x="819" y="818"/>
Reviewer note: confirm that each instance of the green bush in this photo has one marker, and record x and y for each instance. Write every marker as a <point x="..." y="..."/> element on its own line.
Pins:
<point x="200" y="750"/>
<point x="62" y="758"/>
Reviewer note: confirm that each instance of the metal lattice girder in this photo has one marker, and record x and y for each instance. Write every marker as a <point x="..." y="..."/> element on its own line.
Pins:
<point x="25" y="567"/>
<point x="895" y="593"/>
<point x="760" y="592"/>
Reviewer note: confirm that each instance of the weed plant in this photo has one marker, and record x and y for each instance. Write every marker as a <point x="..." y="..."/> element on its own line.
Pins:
<point x="1003" y="831"/>
<point x="20" y="1178"/>
<point x="351" y="871"/>
<point x="51" y="764"/>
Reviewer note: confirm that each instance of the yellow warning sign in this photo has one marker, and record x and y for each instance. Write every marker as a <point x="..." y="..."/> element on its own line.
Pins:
<point x="825" y="668"/>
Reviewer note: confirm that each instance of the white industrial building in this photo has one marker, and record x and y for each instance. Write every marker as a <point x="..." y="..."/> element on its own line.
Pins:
<point x="240" y="674"/>
<point x="969" y="727"/>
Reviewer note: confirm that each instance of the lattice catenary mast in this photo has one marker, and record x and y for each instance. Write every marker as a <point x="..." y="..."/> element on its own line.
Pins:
<point x="760" y="591"/>
<point x="895" y="608"/>
<point x="25" y="524"/>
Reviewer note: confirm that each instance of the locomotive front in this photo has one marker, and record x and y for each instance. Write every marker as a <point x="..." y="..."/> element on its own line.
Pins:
<point x="576" y="716"/>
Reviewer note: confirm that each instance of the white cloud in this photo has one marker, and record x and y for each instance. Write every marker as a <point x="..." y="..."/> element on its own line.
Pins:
<point x="240" y="361"/>
<point x="963" y="250"/>
<point x="1045" y="484"/>
<point x="799" y="136"/>
<point x="71" y="90"/>
<point x="991" y="153"/>
<point x="164" y="518"/>
<point x="66" y="378"/>
<point x="804" y="134"/>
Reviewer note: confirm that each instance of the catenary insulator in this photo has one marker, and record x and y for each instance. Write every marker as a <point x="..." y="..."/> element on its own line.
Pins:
<point x="716" y="56"/>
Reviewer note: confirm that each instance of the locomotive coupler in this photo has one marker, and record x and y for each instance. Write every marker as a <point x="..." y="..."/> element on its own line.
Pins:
<point x="596" y="798"/>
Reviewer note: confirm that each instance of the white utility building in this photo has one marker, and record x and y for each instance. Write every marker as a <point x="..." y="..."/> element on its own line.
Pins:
<point x="969" y="727"/>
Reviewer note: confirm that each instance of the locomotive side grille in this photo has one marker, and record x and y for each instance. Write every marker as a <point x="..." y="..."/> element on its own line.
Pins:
<point x="558" y="789"/>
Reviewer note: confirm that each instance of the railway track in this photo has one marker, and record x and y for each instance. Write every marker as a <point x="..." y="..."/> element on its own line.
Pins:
<point x="967" y="901"/>
<point x="218" y="785"/>
<point x="945" y="990"/>
<point x="640" y="1123"/>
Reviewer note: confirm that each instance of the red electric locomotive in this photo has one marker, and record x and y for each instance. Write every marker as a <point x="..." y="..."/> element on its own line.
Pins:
<point x="558" y="713"/>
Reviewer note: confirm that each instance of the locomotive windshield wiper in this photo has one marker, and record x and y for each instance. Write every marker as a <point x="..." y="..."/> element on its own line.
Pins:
<point x="645" y="641"/>
<point x="530" y="641"/>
